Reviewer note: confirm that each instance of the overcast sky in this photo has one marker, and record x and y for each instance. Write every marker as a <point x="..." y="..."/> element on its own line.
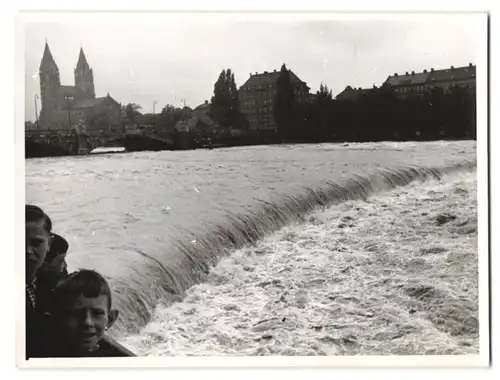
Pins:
<point x="170" y="59"/>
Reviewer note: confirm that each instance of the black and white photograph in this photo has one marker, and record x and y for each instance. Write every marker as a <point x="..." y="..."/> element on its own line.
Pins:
<point x="243" y="185"/>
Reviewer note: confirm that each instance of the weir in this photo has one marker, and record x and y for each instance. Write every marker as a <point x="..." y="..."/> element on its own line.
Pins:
<point x="190" y="260"/>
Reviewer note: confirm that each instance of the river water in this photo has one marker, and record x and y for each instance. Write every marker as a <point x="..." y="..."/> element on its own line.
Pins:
<point x="156" y="223"/>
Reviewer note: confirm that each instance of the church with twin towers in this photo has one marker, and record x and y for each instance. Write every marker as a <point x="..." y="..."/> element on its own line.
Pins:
<point x="68" y="107"/>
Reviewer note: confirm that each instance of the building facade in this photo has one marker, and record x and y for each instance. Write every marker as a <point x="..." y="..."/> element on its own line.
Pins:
<point x="420" y="83"/>
<point x="411" y="83"/>
<point x="69" y="107"/>
<point x="256" y="98"/>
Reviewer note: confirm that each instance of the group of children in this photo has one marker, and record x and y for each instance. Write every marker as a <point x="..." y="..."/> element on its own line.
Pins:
<point x="67" y="315"/>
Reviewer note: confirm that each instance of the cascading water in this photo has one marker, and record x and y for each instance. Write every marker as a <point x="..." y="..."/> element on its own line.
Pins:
<point x="264" y="217"/>
<point x="175" y="238"/>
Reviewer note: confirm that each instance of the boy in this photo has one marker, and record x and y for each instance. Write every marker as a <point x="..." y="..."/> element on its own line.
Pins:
<point x="38" y="242"/>
<point x="45" y="251"/>
<point x="81" y="313"/>
<point x="52" y="270"/>
<point x="44" y="268"/>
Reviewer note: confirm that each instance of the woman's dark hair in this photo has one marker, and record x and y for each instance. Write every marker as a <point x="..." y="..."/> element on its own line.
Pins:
<point x="35" y="214"/>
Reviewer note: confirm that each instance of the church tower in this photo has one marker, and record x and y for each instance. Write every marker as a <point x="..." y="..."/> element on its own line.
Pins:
<point x="84" y="77"/>
<point x="50" y="83"/>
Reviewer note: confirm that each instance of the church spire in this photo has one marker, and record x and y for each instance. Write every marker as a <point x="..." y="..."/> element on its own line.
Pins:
<point x="48" y="61"/>
<point x="82" y="61"/>
<point x="84" y="77"/>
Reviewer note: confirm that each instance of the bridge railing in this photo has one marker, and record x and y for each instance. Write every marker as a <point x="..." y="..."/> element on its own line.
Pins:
<point x="97" y="133"/>
<point x="48" y="133"/>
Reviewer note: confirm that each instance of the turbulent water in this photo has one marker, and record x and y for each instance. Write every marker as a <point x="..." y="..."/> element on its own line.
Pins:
<point x="375" y="273"/>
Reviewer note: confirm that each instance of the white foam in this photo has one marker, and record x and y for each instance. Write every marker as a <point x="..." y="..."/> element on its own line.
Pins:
<point x="359" y="278"/>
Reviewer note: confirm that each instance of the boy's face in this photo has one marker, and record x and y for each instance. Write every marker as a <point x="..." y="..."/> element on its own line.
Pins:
<point x="83" y="323"/>
<point x="38" y="242"/>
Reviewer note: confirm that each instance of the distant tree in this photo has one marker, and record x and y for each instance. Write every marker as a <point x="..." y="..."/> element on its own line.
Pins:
<point x="462" y="113"/>
<point x="147" y="119"/>
<point x="221" y="101"/>
<point x="225" y="105"/>
<point x="132" y="110"/>
<point x="322" y="116"/>
<point x="168" y="109"/>
<point x="234" y="101"/>
<point x="169" y="116"/>
<point x="435" y="110"/>
<point x="100" y="121"/>
<point x="324" y="95"/>
<point x="284" y="104"/>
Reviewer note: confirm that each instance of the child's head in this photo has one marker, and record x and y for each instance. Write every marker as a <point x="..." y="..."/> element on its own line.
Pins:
<point x="81" y="305"/>
<point x="38" y="239"/>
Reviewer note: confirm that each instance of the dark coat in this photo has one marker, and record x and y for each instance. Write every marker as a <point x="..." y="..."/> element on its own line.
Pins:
<point x="40" y="341"/>
<point x="108" y="348"/>
<point x="46" y="280"/>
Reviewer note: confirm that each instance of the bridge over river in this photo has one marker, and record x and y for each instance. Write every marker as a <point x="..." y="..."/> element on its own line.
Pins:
<point x="42" y="143"/>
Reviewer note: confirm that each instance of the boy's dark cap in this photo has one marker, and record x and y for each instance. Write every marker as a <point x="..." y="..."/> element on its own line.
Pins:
<point x="59" y="244"/>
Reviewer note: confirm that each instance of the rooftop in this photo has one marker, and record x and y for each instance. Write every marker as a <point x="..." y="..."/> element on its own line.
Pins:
<point x="266" y="78"/>
<point x="352" y="93"/>
<point x="90" y="103"/>
<point x="432" y="76"/>
<point x="458" y="73"/>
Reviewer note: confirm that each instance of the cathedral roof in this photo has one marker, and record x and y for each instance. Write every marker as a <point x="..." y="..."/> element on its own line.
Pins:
<point x="91" y="103"/>
<point x="88" y="103"/>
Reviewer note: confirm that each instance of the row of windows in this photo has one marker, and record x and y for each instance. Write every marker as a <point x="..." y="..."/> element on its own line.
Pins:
<point x="255" y="118"/>
<point x="411" y="89"/>
<point x="264" y="109"/>
<point x="258" y="87"/>
<point x="264" y="120"/>
<point x="270" y="92"/>
<point x="267" y="94"/>
<point x="77" y="113"/>
<point x="426" y="88"/>
<point x="269" y="99"/>
<point x="263" y="128"/>
<point x="253" y="102"/>
<point x="264" y="86"/>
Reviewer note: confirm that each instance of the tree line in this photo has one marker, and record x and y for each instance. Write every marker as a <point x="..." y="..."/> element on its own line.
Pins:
<point x="376" y="114"/>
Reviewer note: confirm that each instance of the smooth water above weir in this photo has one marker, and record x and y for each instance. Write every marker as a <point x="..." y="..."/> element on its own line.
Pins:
<point x="154" y="223"/>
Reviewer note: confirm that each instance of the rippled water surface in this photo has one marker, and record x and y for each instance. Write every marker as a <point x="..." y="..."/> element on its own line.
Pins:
<point x="375" y="277"/>
<point x="155" y="223"/>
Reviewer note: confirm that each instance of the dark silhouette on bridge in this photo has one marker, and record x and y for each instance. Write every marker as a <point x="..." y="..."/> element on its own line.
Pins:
<point x="45" y="143"/>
